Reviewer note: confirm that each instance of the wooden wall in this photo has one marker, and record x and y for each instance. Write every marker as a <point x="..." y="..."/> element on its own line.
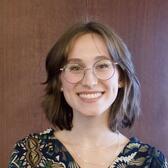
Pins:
<point x="29" y="28"/>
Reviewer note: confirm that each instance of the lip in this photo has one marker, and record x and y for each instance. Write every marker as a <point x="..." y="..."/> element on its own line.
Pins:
<point x="91" y="99"/>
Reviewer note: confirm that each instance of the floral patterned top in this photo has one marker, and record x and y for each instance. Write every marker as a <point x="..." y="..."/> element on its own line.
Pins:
<point x="45" y="151"/>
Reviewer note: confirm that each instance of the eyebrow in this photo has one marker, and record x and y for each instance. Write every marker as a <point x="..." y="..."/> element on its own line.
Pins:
<point x="96" y="58"/>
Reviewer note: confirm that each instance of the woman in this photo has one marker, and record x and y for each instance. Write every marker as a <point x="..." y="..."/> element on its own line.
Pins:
<point x="91" y="91"/>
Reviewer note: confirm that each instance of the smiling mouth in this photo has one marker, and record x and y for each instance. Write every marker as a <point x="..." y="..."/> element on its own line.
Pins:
<point x="90" y="96"/>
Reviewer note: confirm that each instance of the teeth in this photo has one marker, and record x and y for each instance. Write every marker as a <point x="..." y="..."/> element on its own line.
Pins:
<point x="90" y="95"/>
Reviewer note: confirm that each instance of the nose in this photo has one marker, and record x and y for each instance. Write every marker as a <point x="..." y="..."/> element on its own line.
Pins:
<point x="89" y="79"/>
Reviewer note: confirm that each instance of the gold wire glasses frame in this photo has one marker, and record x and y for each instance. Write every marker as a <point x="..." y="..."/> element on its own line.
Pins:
<point x="103" y="69"/>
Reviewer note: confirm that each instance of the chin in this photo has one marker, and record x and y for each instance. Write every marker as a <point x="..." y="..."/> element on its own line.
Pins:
<point x="92" y="113"/>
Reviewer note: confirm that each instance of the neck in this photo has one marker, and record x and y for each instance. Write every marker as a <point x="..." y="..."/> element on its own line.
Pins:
<point x="90" y="130"/>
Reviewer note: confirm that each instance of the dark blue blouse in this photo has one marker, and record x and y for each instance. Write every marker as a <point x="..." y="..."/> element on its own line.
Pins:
<point x="45" y="151"/>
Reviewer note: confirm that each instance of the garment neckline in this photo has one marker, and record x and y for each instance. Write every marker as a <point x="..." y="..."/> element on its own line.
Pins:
<point x="52" y="136"/>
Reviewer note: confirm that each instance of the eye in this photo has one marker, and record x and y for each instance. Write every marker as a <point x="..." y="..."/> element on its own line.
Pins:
<point x="104" y="65"/>
<point x="74" y="68"/>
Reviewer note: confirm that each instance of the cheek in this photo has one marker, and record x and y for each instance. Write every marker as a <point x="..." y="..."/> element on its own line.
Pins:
<point x="112" y="87"/>
<point x="68" y="90"/>
<point x="115" y="91"/>
<point x="64" y="85"/>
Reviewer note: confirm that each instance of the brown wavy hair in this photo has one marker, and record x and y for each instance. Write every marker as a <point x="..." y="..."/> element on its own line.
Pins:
<point x="126" y="106"/>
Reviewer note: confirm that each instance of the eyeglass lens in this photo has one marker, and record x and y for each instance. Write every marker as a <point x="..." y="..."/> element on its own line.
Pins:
<point x="103" y="69"/>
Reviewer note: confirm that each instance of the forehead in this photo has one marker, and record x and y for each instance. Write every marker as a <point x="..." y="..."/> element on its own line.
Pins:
<point x="88" y="47"/>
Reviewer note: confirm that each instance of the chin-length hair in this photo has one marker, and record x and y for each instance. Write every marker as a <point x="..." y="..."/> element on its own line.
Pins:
<point x="126" y="106"/>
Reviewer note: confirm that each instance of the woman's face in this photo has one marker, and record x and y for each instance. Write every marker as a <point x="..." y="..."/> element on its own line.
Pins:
<point x="90" y="96"/>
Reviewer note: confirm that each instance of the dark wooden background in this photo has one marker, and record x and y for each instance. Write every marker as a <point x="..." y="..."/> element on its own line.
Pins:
<point x="29" y="28"/>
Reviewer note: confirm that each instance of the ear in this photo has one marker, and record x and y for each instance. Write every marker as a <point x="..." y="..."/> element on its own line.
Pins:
<point x="121" y="80"/>
<point x="121" y="84"/>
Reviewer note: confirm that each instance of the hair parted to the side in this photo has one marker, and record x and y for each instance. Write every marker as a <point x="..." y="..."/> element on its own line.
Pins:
<point x="124" y="109"/>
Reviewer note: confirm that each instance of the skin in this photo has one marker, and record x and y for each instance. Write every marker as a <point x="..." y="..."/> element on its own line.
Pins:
<point x="87" y="50"/>
<point x="90" y="130"/>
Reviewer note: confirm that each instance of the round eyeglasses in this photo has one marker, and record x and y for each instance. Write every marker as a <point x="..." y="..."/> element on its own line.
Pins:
<point x="102" y="69"/>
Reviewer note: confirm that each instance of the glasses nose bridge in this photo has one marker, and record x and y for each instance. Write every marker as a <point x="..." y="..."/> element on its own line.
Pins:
<point x="93" y="75"/>
<point x="87" y="69"/>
